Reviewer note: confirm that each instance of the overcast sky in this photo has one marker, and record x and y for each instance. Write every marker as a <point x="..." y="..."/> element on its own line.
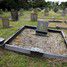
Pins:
<point x="57" y="1"/>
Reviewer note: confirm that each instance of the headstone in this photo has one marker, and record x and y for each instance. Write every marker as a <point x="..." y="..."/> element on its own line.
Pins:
<point x="14" y="15"/>
<point x="5" y="22"/>
<point x="1" y="11"/>
<point x="66" y="11"/>
<point x="46" y="12"/>
<point x="20" y="12"/>
<point x="6" y="10"/>
<point x="63" y="13"/>
<point x="34" y="16"/>
<point x="42" y="27"/>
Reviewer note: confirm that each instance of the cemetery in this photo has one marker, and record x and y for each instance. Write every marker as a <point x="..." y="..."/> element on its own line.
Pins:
<point x="33" y="36"/>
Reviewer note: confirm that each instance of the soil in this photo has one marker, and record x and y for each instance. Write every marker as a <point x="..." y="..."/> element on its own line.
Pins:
<point x="52" y="43"/>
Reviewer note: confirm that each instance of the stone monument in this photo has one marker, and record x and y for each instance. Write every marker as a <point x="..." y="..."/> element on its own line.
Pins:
<point x="34" y="15"/>
<point x="5" y="22"/>
<point x="14" y="15"/>
<point x="42" y="27"/>
<point x="46" y="12"/>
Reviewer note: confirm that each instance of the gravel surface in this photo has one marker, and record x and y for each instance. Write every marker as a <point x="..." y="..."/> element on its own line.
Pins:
<point x="52" y="43"/>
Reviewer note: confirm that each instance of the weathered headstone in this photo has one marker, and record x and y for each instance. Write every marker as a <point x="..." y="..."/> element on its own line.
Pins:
<point x="14" y="15"/>
<point x="63" y="13"/>
<point x="20" y="12"/>
<point x="1" y="11"/>
<point x="42" y="27"/>
<point x="5" y="22"/>
<point x="6" y="10"/>
<point x="34" y="16"/>
<point x="46" y="11"/>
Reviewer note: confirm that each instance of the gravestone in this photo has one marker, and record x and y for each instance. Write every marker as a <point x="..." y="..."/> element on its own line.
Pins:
<point x="46" y="11"/>
<point x="66" y="11"/>
<point x="5" y="22"/>
<point x="20" y="12"/>
<point x="6" y="10"/>
<point x="1" y="12"/>
<point x="63" y="13"/>
<point x="14" y="15"/>
<point x="34" y="15"/>
<point x="42" y="27"/>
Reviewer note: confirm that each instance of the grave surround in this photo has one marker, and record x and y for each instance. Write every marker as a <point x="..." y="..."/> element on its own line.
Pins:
<point x="28" y="51"/>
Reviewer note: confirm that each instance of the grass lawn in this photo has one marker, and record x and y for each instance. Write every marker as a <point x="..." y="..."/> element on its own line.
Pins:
<point x="12" y="59"/>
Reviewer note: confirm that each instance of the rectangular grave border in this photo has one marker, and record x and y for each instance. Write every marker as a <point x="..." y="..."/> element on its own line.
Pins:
<point x="56" y="21"/>
<point x="15" y="48"/>
<point x="59" y="28"/>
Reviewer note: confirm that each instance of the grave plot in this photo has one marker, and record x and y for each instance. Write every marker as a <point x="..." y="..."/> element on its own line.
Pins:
<point x="53" y="43"/>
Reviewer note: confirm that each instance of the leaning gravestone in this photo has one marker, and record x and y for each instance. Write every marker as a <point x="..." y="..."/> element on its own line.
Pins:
<point x="5" y="22"/>
<point x="14" y="15"/>
<point x="42" y="27"/>
<point x="34" y="15"/>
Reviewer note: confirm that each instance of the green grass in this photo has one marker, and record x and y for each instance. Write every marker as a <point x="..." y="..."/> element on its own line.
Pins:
<point x="12" y="59"/>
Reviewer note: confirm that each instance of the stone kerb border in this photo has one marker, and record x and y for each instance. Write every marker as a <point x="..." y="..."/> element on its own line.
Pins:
<point x="64" y="36"/>
<point x="56" y="21"/>
<point x="27" y="50"/>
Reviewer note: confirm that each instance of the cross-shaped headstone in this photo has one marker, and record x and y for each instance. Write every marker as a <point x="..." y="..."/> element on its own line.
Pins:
<point x="42" y="27"/>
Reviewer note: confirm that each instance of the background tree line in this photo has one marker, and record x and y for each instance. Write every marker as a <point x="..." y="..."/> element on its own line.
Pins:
<point x="27" y="4"/>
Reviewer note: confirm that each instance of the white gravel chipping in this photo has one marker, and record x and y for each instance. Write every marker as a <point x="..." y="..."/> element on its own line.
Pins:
<point x="52" y="43"/>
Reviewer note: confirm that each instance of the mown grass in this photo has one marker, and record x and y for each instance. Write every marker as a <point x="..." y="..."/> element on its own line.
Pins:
<point x="12" y="59"/>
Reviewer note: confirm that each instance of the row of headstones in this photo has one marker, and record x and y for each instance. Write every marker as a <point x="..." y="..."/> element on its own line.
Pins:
<point x="14" y="16"/>
<point x="5" y="18"/>
<point x="34" y="15"/>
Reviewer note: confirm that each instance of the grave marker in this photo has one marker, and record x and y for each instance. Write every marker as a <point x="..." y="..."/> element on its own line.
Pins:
<point x="34" y="15"/>
<point x="46" y="11"/>
<point x="42" y="27"/>
<point x="14" y="14"/>
<point x="5" y="22"/>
